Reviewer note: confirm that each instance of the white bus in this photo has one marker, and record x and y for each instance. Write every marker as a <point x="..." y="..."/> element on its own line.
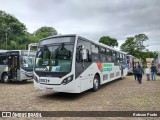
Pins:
<point x="16" y="65"/>
<point x="73" y="64"/>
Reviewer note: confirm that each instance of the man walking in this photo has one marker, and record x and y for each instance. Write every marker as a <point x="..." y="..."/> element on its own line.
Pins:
<point x="135" y="72"/>
<point x="139" y="75"/>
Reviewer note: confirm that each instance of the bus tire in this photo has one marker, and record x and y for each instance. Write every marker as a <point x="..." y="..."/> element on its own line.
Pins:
<point x="24" y="81"/>
<point x="5" y="78"/>
<point x="96" y="83"/>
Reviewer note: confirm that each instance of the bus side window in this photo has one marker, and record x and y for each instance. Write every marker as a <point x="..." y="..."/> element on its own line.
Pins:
<point x="83" y="45"/>
<point x="95" y="53"/>
<point x="109" y="55"/>
<point x="78" y="54"/>
<point x="102" y="52"/>
<point x="3" y="60"/>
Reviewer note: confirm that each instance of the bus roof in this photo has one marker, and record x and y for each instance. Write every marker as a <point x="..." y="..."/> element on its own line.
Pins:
<point x="7" y="52"/>
<point x="1" y="51"/>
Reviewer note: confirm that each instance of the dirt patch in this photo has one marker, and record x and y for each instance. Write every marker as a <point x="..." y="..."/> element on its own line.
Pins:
<point x="119" y="95"/>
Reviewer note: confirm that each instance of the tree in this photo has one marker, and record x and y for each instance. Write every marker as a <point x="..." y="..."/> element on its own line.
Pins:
<point x="129" y="46"/>
<point x="45" y="32"/>
<point x="134" y="45"/>
<point x="13" y="45"/>
<point x="108" y="41"/>
<point x="14" y="35"/>
<point x="139" y="39"/>
<point x="11" y="29"/>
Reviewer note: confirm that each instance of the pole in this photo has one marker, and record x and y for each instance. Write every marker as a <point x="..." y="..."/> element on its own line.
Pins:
<point x="6" y="41"/>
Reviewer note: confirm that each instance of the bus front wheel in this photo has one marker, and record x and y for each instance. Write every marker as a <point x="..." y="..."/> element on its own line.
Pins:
<point x="96" y="83"/>
<point x="5" y="78"/>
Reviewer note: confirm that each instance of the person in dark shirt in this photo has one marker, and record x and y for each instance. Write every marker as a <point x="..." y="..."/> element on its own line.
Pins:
<point x="135" y="72"/>
<point x="153" y="72"/>
<point x="139" y="75"/>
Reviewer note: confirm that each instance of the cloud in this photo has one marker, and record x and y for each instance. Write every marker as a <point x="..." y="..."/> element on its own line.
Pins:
<point x="91" y="18"/>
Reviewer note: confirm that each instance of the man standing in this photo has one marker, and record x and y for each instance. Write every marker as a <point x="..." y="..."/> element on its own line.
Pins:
<point x="153" y="72"/>
<point x="148" y="72"/>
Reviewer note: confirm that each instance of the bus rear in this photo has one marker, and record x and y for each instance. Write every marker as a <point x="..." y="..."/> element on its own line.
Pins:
<point x="130" y="61"/>
<point x="55" y="65"/>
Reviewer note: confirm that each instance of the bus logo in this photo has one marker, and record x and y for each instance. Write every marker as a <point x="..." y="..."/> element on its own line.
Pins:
<point x="107" y="67"/>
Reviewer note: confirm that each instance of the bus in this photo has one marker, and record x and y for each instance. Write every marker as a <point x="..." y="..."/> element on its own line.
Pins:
<point x="73" y="64"/>
<point x="157" y="61"/>
<point x="131" y="63"/>
<point x="16" y="65"/>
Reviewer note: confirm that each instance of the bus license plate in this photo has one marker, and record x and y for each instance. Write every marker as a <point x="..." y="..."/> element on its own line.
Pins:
<point x="43" y="80"/>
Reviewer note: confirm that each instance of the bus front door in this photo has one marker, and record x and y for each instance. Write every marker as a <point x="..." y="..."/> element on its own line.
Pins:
<point x="13" y="66"/>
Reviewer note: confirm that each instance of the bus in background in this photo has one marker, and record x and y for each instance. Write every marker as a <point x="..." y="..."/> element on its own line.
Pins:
<point x="1" y="51"/>
<point x="157" y="62"/>
<point x="16" y="65"/>
<point x="130" y="63"/>
<point x="73" y="64"/>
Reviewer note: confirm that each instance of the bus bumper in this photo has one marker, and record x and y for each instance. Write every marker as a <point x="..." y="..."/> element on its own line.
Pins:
<point x="68" y="88"/>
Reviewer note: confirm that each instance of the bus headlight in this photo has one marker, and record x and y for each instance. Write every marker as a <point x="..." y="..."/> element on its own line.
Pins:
<point x="36" y="79"/>
<point x="67" y="80"/>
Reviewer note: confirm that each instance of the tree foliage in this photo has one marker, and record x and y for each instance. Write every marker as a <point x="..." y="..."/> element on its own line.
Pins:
<point x="108" y="41"/>
<point x="140" y="39"/>
<point x="14" y="35"/>
<point x="129" y="46"/>
<point x="11" y="29"/>
<point x="134" y="45"/>
<point x="45" y="32"/>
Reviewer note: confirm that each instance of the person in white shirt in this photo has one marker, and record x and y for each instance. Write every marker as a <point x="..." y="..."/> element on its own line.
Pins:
<point x="148" y="72"/>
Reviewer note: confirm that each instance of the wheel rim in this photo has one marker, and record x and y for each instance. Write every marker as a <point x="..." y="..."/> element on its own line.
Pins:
<point x="5" y="78"/>
<point x="96" y="83"/>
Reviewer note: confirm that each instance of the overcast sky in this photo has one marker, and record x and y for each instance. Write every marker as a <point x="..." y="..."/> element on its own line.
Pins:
<point x="91" y="18"/>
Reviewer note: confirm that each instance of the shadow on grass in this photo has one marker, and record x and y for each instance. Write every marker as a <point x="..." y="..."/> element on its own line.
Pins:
<point x="65" y="96"/>
<point x="18" y="82"/>
<point x="130" y="74"/>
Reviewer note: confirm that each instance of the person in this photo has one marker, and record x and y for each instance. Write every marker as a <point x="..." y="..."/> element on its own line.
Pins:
<point x="139" y="75"/>
<point x="148" y="72"/>
<point x="153" y="72"/>
<point x="135" y="72"/>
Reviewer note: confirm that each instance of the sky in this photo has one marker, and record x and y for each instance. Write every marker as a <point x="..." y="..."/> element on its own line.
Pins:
<point x="91" y="19"/>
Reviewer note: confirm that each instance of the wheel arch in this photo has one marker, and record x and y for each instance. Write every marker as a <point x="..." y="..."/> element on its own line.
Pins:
<point x="97" y="74"/>
<point x="3" y="74"/>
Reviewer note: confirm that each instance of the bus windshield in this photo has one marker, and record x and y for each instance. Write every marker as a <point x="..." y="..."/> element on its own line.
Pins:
<point x="54" y="58"/>
<point x="27" y="62"/>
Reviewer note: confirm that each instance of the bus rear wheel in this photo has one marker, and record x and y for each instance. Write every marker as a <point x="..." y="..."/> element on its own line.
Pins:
<point x="96" y="83"/>
<point x="5" y="78"/>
